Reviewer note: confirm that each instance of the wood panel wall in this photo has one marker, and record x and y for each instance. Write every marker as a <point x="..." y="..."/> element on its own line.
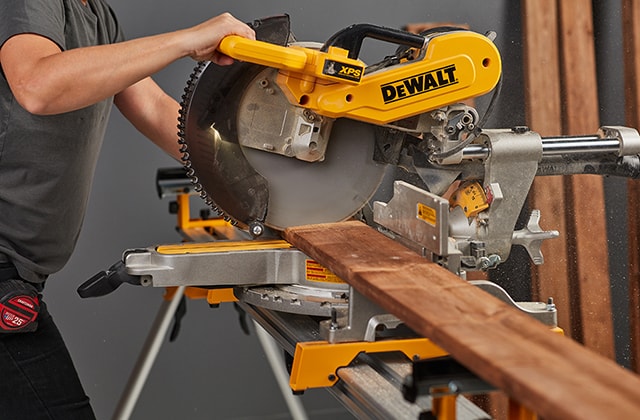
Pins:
<point x="561" y="98"/>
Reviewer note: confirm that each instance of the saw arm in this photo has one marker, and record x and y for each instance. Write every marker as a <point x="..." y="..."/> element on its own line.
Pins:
<point x="437" y="70"/>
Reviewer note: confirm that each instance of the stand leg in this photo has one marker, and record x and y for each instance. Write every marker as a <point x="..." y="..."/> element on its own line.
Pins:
<point x="274" y="356"/>
<point x="147" y="357"/>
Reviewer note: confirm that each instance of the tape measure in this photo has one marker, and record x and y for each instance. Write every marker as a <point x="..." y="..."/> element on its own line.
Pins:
<point x="19" y="306"/>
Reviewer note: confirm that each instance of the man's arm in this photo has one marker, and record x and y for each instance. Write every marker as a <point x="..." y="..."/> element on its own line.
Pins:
<point x="46" y="80"/>
<point x="153" y="113"/>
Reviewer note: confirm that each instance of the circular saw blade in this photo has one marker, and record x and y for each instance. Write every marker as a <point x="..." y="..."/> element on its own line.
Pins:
<point x="331" y="190"/>
<point x="213" y="158"/>
<point x="248" y="185"/>
<point x="208" y="134"/>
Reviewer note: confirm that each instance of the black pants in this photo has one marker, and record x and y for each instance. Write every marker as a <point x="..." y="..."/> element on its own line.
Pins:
<point x="37" y="377"/>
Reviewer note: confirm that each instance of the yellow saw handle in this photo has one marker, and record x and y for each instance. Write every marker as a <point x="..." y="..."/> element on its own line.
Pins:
<point x="263" y="53"/>
<point x="305" y="63"/>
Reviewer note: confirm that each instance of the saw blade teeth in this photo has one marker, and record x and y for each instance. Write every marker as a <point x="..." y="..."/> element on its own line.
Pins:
<point x="184" y="147"/>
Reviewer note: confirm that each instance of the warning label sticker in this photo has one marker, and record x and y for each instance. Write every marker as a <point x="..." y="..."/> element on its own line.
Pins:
<point x="426" y="213"/>
<point x="316" y="272"/>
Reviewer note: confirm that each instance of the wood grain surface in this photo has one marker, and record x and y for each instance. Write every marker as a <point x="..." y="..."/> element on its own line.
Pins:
<point x="549" y="373"/>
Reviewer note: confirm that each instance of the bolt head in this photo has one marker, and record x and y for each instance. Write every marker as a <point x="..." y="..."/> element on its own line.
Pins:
<point x="256" y="229"/>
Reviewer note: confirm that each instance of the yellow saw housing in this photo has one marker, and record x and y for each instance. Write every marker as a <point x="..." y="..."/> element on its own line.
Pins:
<point x="449" y="68"/>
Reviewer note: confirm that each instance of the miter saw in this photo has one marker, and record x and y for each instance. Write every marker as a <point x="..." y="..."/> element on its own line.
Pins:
<point x="291" y="140"/>
<point x="298" y="133"/>
<point x="301" y="133"/>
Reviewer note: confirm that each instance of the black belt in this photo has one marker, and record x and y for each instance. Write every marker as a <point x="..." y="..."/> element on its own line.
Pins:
<point x="8" y="271"/>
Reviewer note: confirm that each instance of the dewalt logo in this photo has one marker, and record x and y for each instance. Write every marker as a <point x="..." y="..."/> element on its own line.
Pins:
<point x="419" y="84"/>
<point x="343" y="70"/>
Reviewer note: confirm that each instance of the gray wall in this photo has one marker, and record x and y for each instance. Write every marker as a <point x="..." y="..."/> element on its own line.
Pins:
<point x="212" y="370"/>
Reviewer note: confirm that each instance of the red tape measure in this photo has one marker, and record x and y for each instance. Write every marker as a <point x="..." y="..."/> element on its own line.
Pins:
<point x="19" y="306"/>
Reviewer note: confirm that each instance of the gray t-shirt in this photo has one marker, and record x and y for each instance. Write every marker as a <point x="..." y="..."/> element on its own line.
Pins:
<point x="47" y="162"/>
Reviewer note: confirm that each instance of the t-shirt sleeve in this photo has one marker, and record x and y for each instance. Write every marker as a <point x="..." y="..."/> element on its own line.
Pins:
<point x="42" y="17"/>
<point x="116" y="30"/>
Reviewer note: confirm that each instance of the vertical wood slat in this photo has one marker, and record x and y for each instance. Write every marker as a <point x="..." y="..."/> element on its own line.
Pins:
<point x="561" y="98"/>
<point x="586" y="218"/>
<point x="631" y="45"/>
<point x="543" y="112"/>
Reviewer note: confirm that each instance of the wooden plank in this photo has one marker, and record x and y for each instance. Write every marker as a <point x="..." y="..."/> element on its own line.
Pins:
<point x="586" y="224"/>
<point x="543" y="112"/>
<point x="548" y="372"/>
<point x="631" y="47"/>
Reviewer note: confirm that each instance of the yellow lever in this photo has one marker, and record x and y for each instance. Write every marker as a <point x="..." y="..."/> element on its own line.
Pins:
<point x="263" y="53"/>
<point x="303" y="63"/>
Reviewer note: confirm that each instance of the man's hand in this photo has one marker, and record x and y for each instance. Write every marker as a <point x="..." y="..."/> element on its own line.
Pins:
<point x="207" y="36"/>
